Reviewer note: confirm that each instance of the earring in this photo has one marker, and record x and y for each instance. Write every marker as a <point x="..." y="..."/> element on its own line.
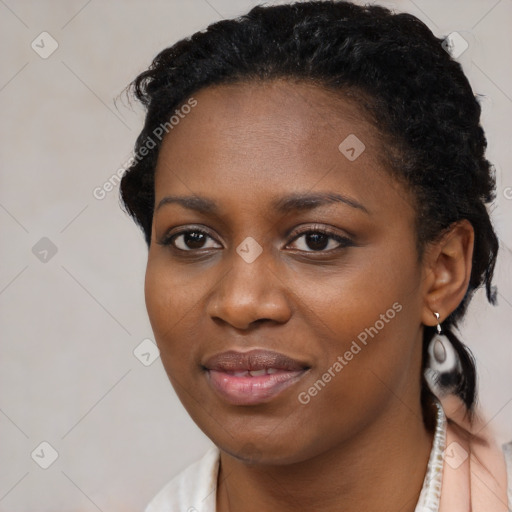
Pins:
<point x="443" y="369"/>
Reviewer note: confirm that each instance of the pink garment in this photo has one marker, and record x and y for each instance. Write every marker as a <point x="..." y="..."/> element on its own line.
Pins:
<point x="474" y="471"/>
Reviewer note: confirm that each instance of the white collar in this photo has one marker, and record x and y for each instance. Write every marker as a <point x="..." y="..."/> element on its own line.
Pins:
<point x="431" y="492"/>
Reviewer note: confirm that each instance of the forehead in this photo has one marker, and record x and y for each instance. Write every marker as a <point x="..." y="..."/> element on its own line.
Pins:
<point x="272" y="136"/>
<point x="298" y="111"/>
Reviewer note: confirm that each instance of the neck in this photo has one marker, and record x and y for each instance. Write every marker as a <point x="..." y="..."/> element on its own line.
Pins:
<point x="382" y="468"/>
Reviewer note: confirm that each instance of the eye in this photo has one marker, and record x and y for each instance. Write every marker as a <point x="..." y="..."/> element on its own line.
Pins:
<point x="190" y="240"/>
<point x="320" y="240"/>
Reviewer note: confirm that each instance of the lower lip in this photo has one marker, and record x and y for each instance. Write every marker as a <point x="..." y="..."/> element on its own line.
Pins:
<point x="251" y="390"/>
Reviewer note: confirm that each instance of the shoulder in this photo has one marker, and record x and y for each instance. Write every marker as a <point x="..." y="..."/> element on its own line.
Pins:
<point x="192" y="490"/>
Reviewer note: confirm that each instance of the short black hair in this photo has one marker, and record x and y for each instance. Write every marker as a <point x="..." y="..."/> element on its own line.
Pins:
<point x="418" y="97"/>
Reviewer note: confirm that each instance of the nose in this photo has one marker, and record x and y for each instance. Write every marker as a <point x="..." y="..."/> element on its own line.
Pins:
<point x="249" y="294"/>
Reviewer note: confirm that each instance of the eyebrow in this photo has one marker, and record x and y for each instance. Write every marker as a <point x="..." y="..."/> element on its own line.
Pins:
<point x="293" y="202"/>
<point x="309" y="201"/>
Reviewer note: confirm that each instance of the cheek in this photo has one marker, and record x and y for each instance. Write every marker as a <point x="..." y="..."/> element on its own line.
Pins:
<point x="368" y="315"/>
<point x="353" y="299"/>
<point x="170" y="296"/>
<point x="175" y="300"/>
<point x="168" y="302"/>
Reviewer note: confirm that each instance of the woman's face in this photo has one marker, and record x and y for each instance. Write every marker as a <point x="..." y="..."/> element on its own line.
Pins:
<point x="282" y="247"/>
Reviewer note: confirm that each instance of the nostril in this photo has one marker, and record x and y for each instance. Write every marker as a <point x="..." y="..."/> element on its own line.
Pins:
<point x="261" y="320"/>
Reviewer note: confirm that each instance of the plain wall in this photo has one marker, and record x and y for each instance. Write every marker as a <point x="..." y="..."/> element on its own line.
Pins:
<point x="70" y="324"/>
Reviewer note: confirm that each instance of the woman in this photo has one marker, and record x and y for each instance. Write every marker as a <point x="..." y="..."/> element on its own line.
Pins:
<point x="312" y="187"/>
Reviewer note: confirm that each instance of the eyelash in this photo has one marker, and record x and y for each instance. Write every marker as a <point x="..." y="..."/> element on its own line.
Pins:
<point x="343" y="241"/>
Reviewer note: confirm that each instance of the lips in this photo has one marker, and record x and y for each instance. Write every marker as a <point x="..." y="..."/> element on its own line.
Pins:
<point x="254" y="360"/>
<point x="250" y="378"/>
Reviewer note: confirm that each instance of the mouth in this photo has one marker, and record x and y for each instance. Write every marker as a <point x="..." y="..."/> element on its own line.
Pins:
<point x="254" y="377"/>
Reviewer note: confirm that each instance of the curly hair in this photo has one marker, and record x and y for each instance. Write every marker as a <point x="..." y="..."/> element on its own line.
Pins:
<point x="414" y="93"/>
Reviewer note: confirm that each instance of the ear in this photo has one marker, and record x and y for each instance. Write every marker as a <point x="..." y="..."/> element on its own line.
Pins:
<point x="447" y="268"/>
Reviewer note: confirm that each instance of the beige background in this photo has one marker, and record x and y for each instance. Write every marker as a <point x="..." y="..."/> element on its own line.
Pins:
<point x="68" y="375"/>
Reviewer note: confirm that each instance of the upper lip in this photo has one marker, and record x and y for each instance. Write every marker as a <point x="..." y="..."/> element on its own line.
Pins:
<point x="257" y="359"/>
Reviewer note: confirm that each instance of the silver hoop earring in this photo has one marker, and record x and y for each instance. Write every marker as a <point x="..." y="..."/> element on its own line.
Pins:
<point x="443" y="368"/>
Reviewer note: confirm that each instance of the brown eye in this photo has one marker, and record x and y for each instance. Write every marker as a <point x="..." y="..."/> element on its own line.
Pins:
<point x="320" y="241"/>
<point x="317" y="241"/>
<point x="191" y="240"/>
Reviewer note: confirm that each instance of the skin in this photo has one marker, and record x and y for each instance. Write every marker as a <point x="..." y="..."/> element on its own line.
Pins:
<point x="361" y="442"/>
